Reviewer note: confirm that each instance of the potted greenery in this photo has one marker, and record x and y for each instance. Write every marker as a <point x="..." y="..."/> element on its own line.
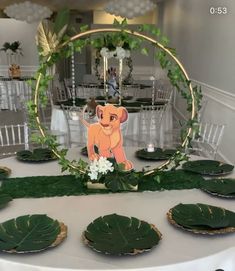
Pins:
<point x="13" y="52"/>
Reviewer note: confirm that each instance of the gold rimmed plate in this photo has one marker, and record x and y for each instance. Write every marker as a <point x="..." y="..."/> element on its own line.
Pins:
<point x="4" y="172"/>
<point x="221" y="187"/>
<point x="39" y="155"/>
<point x="212" y="220"/>
<point x="120" y="235"/>
<point x="208" y="167"/>
<point x="31" y="233"/>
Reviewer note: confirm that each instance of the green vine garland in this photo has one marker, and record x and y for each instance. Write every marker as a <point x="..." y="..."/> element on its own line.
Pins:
<point x="59" y="46"/>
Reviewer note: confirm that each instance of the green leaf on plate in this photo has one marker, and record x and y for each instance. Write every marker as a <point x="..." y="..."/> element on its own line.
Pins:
<point x="119" y="235"/>
<point x="28" y="233"/>
<point x="208" y="167"/>
<point x="37" y="155"/>
<point x="223" y="187"/>
<point x="4" y="199"/>
<point x="202" y="216"/>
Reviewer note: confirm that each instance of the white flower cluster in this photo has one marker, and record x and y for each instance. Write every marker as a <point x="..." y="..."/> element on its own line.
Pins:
<point x="28" y="11"/>
<point x="119" y="53"/>
<point x="100" y="167"/>
<point x="129" y="9"/>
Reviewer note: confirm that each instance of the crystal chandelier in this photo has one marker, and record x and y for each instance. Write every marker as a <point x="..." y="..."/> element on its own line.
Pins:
<point x="129" y="9"/>
<point x="27" y="11"/>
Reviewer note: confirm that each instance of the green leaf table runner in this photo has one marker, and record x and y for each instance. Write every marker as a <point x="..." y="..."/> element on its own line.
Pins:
<point x="202" y="218"/>
<point x="120" y="235"/>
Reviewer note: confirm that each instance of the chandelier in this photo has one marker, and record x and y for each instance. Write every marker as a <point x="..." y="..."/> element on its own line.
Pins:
<point x="27" y="11"/>
<point x="129" y="9"/>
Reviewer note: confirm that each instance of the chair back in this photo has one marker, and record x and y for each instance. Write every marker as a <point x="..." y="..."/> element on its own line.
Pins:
<point x="208" y="139"/>
<point x="76" y="130"/>
<point x="163" y="91"/>
<point x="130" y="90"/>
<point x="8" y="95"/>
<point x="150" y="122"/>
<point x="89" y="91"/>
<point x="13" y="138"/>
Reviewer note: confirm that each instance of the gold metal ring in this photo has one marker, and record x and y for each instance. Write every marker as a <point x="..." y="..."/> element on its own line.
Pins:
<point x="136" y="34"/>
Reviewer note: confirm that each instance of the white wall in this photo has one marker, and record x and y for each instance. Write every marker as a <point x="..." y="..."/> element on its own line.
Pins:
<point x="12" y="30"/>
<point x="205" y="44"/>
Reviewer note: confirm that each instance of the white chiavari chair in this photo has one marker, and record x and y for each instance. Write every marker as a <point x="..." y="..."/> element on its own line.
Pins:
<point x="130" y="90"/>
<point x="207" y="141"/>
<point x="9" y="98"/>
<point x="150" y="123"/>
<point x="90" y="91"/>
<point x="77" y="132"/>
<point x="13" y="138"/>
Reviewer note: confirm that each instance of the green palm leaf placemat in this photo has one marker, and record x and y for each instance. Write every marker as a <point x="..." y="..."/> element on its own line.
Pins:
<point x="208" y="167"/>
<point x="219" y="187"/>
<point x="31" y="233"/>
<point x="158" y="154"/>
<point x="37" y="155"/>
<point x="120" y="235"/>
<point x="4" y="199"/>
<point x="202" y="218"/>
<point x="4" y="172"/>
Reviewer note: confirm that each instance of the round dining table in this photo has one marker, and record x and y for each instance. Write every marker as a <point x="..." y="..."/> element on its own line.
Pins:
<point x="178" y="250"/>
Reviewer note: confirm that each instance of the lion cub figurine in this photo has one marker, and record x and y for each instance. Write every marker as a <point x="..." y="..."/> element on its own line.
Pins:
<point x="106" y="134"/>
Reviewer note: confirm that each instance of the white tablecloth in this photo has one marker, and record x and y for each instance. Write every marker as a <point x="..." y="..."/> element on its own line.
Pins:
<point x="130" y="128"/>
<point x="177" y="251"/>
<point x="13" y="93"/>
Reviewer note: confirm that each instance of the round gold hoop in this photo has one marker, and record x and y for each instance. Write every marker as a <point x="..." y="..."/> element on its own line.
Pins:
<point x="136" y="34"/>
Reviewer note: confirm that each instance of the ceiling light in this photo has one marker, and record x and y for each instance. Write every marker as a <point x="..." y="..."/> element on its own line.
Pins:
<point x="129" y="9"/>
<point x="27" y="11"/>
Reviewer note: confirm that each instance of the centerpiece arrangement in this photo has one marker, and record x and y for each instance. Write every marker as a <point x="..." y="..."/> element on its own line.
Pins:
<point x="54" y="44"/>
<point x="13" y="52"/>
<point x="126" y="235"/>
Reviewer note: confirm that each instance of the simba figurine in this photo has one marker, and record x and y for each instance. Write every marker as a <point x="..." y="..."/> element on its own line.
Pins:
<point x="106" y="134"/>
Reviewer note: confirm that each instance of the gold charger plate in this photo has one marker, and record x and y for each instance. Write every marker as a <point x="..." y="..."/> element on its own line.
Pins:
<point x="5" y="170"/>
<point x="95" y="235"/>
<point x="198" y="231"/>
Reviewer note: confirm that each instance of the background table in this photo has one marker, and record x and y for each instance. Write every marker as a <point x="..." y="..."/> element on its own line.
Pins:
<point x="178" y="250"/>
<point x="130" y="128"/>
<point x="13" y="93"/>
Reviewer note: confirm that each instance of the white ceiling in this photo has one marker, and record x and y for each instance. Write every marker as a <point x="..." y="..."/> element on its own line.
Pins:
<point x="80" y="5"/>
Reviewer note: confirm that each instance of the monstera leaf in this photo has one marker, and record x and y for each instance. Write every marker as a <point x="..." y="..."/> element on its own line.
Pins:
<point x="220" y="187"/>
<point x="120" y="180"/>
<point x="118" y="235"/>
<point x="37" y="155"/>
<point x="4" y="199"/>
<point x="28" y="233"/>
<point x="208" y="167"/>
<point x="202" y="216"/>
